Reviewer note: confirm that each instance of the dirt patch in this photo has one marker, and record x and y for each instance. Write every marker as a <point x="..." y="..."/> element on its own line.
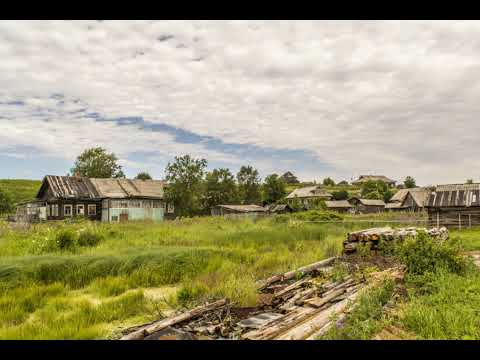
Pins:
<point x="355" y="262"/>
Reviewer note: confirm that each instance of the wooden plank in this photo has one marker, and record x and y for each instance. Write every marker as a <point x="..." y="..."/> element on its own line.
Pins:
<point x="162" y="324"/>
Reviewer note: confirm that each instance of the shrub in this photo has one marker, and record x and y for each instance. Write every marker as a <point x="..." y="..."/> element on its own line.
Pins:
<point x="318" y="215"/>
<point x="424" y="254"/>
<point x="190" y="292"/>
<point x="340" y="195"/>
<point x="89" y="238"/>
<point x="65" y="239"/>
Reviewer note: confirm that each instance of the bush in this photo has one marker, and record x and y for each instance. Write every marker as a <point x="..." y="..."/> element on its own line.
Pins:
<point x="89" y="238"/>
<point x="65" y="239"/>
<point x="424" y="254"/>
<point x="340" y="195"/>
<point x="318" y="215"/>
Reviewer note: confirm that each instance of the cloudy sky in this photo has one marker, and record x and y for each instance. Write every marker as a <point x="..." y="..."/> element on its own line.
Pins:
<point x="319" y="98"/>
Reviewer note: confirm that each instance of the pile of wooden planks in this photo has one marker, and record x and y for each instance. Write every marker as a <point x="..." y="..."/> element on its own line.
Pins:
<point x="298" y="304"/>
<point x="372" y="236"/>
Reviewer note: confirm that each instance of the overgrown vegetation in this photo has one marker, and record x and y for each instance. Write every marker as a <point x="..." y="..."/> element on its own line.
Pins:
<point x="81" y="266"/>
<point x="443" y="290"/>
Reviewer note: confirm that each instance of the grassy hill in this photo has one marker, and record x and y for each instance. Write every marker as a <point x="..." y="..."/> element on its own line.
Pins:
<point x="19" y="189"/>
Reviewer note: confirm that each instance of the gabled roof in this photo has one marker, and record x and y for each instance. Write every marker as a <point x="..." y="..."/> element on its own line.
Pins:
<point x="364" y="178"/>
<point x="70" y="187"/>
<point x="369" y="202"/>
<point x="309" y="191"/>
<point x="455" y="195"/>
<point x="338" y="204"/>
<point x="419" y="195"/>
<point x="244" y="208"/>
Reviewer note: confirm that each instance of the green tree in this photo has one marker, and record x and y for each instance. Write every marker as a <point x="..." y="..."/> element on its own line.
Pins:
<point x="220" y="188"/>
<point x="249" y="185"/>
<point x="376" y="190"/>
<point x="343" y="183"/>
<point x="6" y="202"/>
<point x="328" y="182"/>
<point x="469" y="181"/>
<point x="409" y="182"/>
<point x="340" y="195"/>
<point x="273" y="189"/>
<point x="143" y="176"/>
<point x="185" y="187"/>
<point x="97" y="163"/>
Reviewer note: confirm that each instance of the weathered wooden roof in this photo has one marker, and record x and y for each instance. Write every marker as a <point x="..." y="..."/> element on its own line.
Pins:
<point x="419" y="195"/>
<point x="308" y="191"/>
<point x="277" y="207"/>
<point x="71" y="187"/>
<point x="121" y="188"/>
<point x="454" y="195"/>
<point x="244" y="208"/>
<point x="371" y="202"/>
<point x="394" y="205"/>
<point x="364" y="178"/>
<point x="338" y="204"/>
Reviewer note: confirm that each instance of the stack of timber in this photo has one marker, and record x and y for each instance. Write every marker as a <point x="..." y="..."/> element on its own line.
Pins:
<point x="298" y="304"/>
<point x="372" y="236"/>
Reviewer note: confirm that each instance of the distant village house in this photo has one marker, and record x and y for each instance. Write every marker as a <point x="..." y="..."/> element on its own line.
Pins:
<point x="248" y="210"/>
<point x="289" y="178"/>
<point x="308" y="196"/>
<point x="341" y="206"/>
<point x="108" y="200"/>
<point x="364" y="178"/>
<point x="413" y="199"/>
<point x="454" y="205"/>
<point x="367" y="206"/>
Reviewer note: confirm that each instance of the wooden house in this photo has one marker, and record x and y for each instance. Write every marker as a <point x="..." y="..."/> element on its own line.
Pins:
<point x="289" y="178"/>
<point x="364" y="178"/>
<point x="342" y="206"/>
<point x="238" y="210"/>
<point x="413" y="199"/>
<point x="109" y="200"/>
<point x="367" y="206"/>
<point x="308" y="196"/>
<point x="454" y="205"/>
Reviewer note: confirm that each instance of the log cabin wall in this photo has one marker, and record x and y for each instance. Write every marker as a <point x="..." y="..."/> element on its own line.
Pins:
<point x="455" y="217"/>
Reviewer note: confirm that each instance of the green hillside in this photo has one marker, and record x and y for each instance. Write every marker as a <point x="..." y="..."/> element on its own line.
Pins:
<point x="20" y="190"/>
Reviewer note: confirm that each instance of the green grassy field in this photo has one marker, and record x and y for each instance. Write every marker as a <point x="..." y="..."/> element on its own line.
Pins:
<point x="87" y="280"/>
<point x="20" y="190"/>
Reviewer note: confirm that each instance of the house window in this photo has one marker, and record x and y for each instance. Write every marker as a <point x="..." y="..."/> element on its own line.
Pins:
<point x="80" y="210"/>
<point x="67" y="210"/>
<point x="170" y="208"/>
<point x="92" y="209"/>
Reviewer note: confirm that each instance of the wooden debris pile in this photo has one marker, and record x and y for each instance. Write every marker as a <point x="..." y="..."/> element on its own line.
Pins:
<point x="372" y="236"/>
<point x="295" y="305"/>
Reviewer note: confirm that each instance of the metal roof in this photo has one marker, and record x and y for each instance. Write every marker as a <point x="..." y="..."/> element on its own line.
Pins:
<point x="69" y="187"/>
<point x="454" y="195"/>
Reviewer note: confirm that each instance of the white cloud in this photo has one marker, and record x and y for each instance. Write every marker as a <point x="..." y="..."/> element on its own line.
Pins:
<point x="398" y="98"/>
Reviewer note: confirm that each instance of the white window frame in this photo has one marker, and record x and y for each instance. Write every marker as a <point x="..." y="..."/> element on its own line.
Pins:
<point x="65" y="210"/>
<point x="78" y="207"/>
<point x="170" y="208"/>
<point x="94" y="207"/>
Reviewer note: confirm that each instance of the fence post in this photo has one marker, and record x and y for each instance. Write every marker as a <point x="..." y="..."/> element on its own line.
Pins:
<point x="469" y="220"/>
<point x="459" y="222"/>
<point x="438" y="219"/>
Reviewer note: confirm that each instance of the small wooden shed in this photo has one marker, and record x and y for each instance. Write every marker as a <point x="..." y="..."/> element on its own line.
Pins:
<point x="367" y="206"/>
<point x="342" y="206"/>
<point x="222" y="210"/>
